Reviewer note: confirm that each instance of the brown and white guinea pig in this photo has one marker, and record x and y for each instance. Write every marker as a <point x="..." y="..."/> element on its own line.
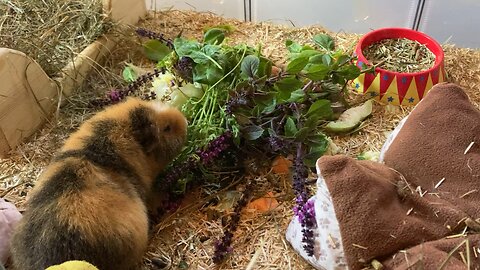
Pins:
<point x="90" y="203"/>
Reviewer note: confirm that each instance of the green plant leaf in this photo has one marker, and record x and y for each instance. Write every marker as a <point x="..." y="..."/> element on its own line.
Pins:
<point x="184" y="47"/>
<point x="207" y="74"/>
<point x="271" y="132"/>
<point x="129" y="74"/>
<point x="321" y="108"/>
<point x="349" y="72"/>
<point x="297" y="64"/>
<point x="214" y="36"/>
<point x="312" y="121"/>
<point x="228" y="28"/>
<point x="286" y="86"/>
<point x="206" y="54"/>
<point x="316" y="59"/>
<point x="270" y="107"/>
<point x="155" y="50"/>
<point x="250" y="65"/>
<point x="297" y="96"/>
<point x="265" y="99"/>
<point x="265" y="67"/>
<point x="324" y="41"/>
<point x="318" y="146"/>
<point x="318" y="142"/>
<point x="317" y="72"/>
<point x="293" y="46"/>
<point x="326" y="59"/>
<point x="343" y="59"/>
<point x="309" y="53"/>
<point x="289" y="83"/>
<point x="290" y="127"/>
<point x="252" y="132"/>
<point x="329" y="87"/>
<point x="302" y="134"/>
<point x="311" y="158"/>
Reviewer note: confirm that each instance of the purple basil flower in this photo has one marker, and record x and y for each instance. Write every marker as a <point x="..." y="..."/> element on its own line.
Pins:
<point x="215" y="148"/>
<point x="222" y="247"/>
<point x="184" y="67"/>
<point x="152" y="35"/>
<point x="304" y="208"/>
<point x="115" y="95"/>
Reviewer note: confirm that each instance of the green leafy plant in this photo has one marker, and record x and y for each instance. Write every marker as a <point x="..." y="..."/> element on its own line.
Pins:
<point x="245" y="110"/>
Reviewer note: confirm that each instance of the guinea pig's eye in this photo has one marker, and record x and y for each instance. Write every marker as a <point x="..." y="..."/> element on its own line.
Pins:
<point x="167" y="128"/>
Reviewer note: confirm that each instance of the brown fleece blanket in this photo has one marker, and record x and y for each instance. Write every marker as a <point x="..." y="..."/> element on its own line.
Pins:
<point x="412" y="212"/>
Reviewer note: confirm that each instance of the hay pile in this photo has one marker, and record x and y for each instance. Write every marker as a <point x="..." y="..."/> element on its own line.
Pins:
<point x="52" y="32"/>
<point x="186" y="237"/>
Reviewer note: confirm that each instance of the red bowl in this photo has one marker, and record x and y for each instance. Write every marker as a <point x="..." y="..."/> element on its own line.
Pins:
<point x="395" y="87"/>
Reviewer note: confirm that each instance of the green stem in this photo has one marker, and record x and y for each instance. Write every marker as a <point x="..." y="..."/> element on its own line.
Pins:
<point x="213" y="60"/>
<point x="212" y="106"/>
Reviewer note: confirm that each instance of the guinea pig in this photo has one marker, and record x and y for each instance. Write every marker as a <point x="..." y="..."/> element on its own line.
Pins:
<point x="90" y="203"/>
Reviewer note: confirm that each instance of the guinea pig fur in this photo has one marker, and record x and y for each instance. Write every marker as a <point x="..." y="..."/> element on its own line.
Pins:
<point x="90" y="203"/>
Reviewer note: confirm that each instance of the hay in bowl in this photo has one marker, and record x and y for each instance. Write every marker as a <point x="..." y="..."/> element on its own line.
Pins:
<point x="52" y="32"/>
<point x="400" y="55"/>
<point x="404" y="70"/>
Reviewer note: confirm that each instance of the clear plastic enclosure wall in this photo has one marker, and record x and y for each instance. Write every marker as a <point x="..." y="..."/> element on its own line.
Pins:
<point x="454" y="21"/>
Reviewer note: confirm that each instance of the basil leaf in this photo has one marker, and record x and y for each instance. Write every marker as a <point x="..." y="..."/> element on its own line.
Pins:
<point x="250" y="65"/>
<point x="288" y="83"/>
<point x="286" y="86"/>
<point x="297" y="96"/>
<point x="349" y="72"/>
<point x="326" y="59"/>
<point x="155" y="50"/>
<point x="297" y="64"/>
<point x="317" y="72"/>
<point x="129" y="74"/>
<point x="265" y="67"/>
<point x="214" y="36"/>
<point x="207" y="73"/>
<point x="318" y="147"/>
<point x="252" y="132"/>
<point x="343" y="59"/>
<point x="324" y="41"/>
<point x="290" y="128"/>
<point x="316" y="59"/>
<point x="293" y="46"/>
<point x="184" y="47"/>
<point x="321" y="108"/>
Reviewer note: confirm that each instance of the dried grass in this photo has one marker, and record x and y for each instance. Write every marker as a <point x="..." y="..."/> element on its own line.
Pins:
<point x="52" y="32"/>
<point x="185" y="239"/>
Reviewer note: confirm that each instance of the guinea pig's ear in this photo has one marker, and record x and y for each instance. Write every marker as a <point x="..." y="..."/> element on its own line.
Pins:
<point x="144" y="131"/>
<point x="167" y="127"/>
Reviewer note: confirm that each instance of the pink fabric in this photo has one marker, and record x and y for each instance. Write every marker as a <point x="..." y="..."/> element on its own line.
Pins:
<point x="9" y="217"/>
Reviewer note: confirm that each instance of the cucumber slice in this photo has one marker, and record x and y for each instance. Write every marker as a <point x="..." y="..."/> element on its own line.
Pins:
<point x="350" y="118"/>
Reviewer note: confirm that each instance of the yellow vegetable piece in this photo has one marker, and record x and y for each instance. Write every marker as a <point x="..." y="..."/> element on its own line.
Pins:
<point x="73" y="265"/>
<point x="351" y="118"/>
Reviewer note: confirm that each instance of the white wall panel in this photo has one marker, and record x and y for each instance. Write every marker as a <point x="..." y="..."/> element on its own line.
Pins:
<point x="347" y="15"/>
<point x="226" y="8"/>
<point x="457" y="21"/>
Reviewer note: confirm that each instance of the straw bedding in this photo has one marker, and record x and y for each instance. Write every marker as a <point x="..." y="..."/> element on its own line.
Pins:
<point x="184" y="239"/>
<point x="52" y="32"/>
